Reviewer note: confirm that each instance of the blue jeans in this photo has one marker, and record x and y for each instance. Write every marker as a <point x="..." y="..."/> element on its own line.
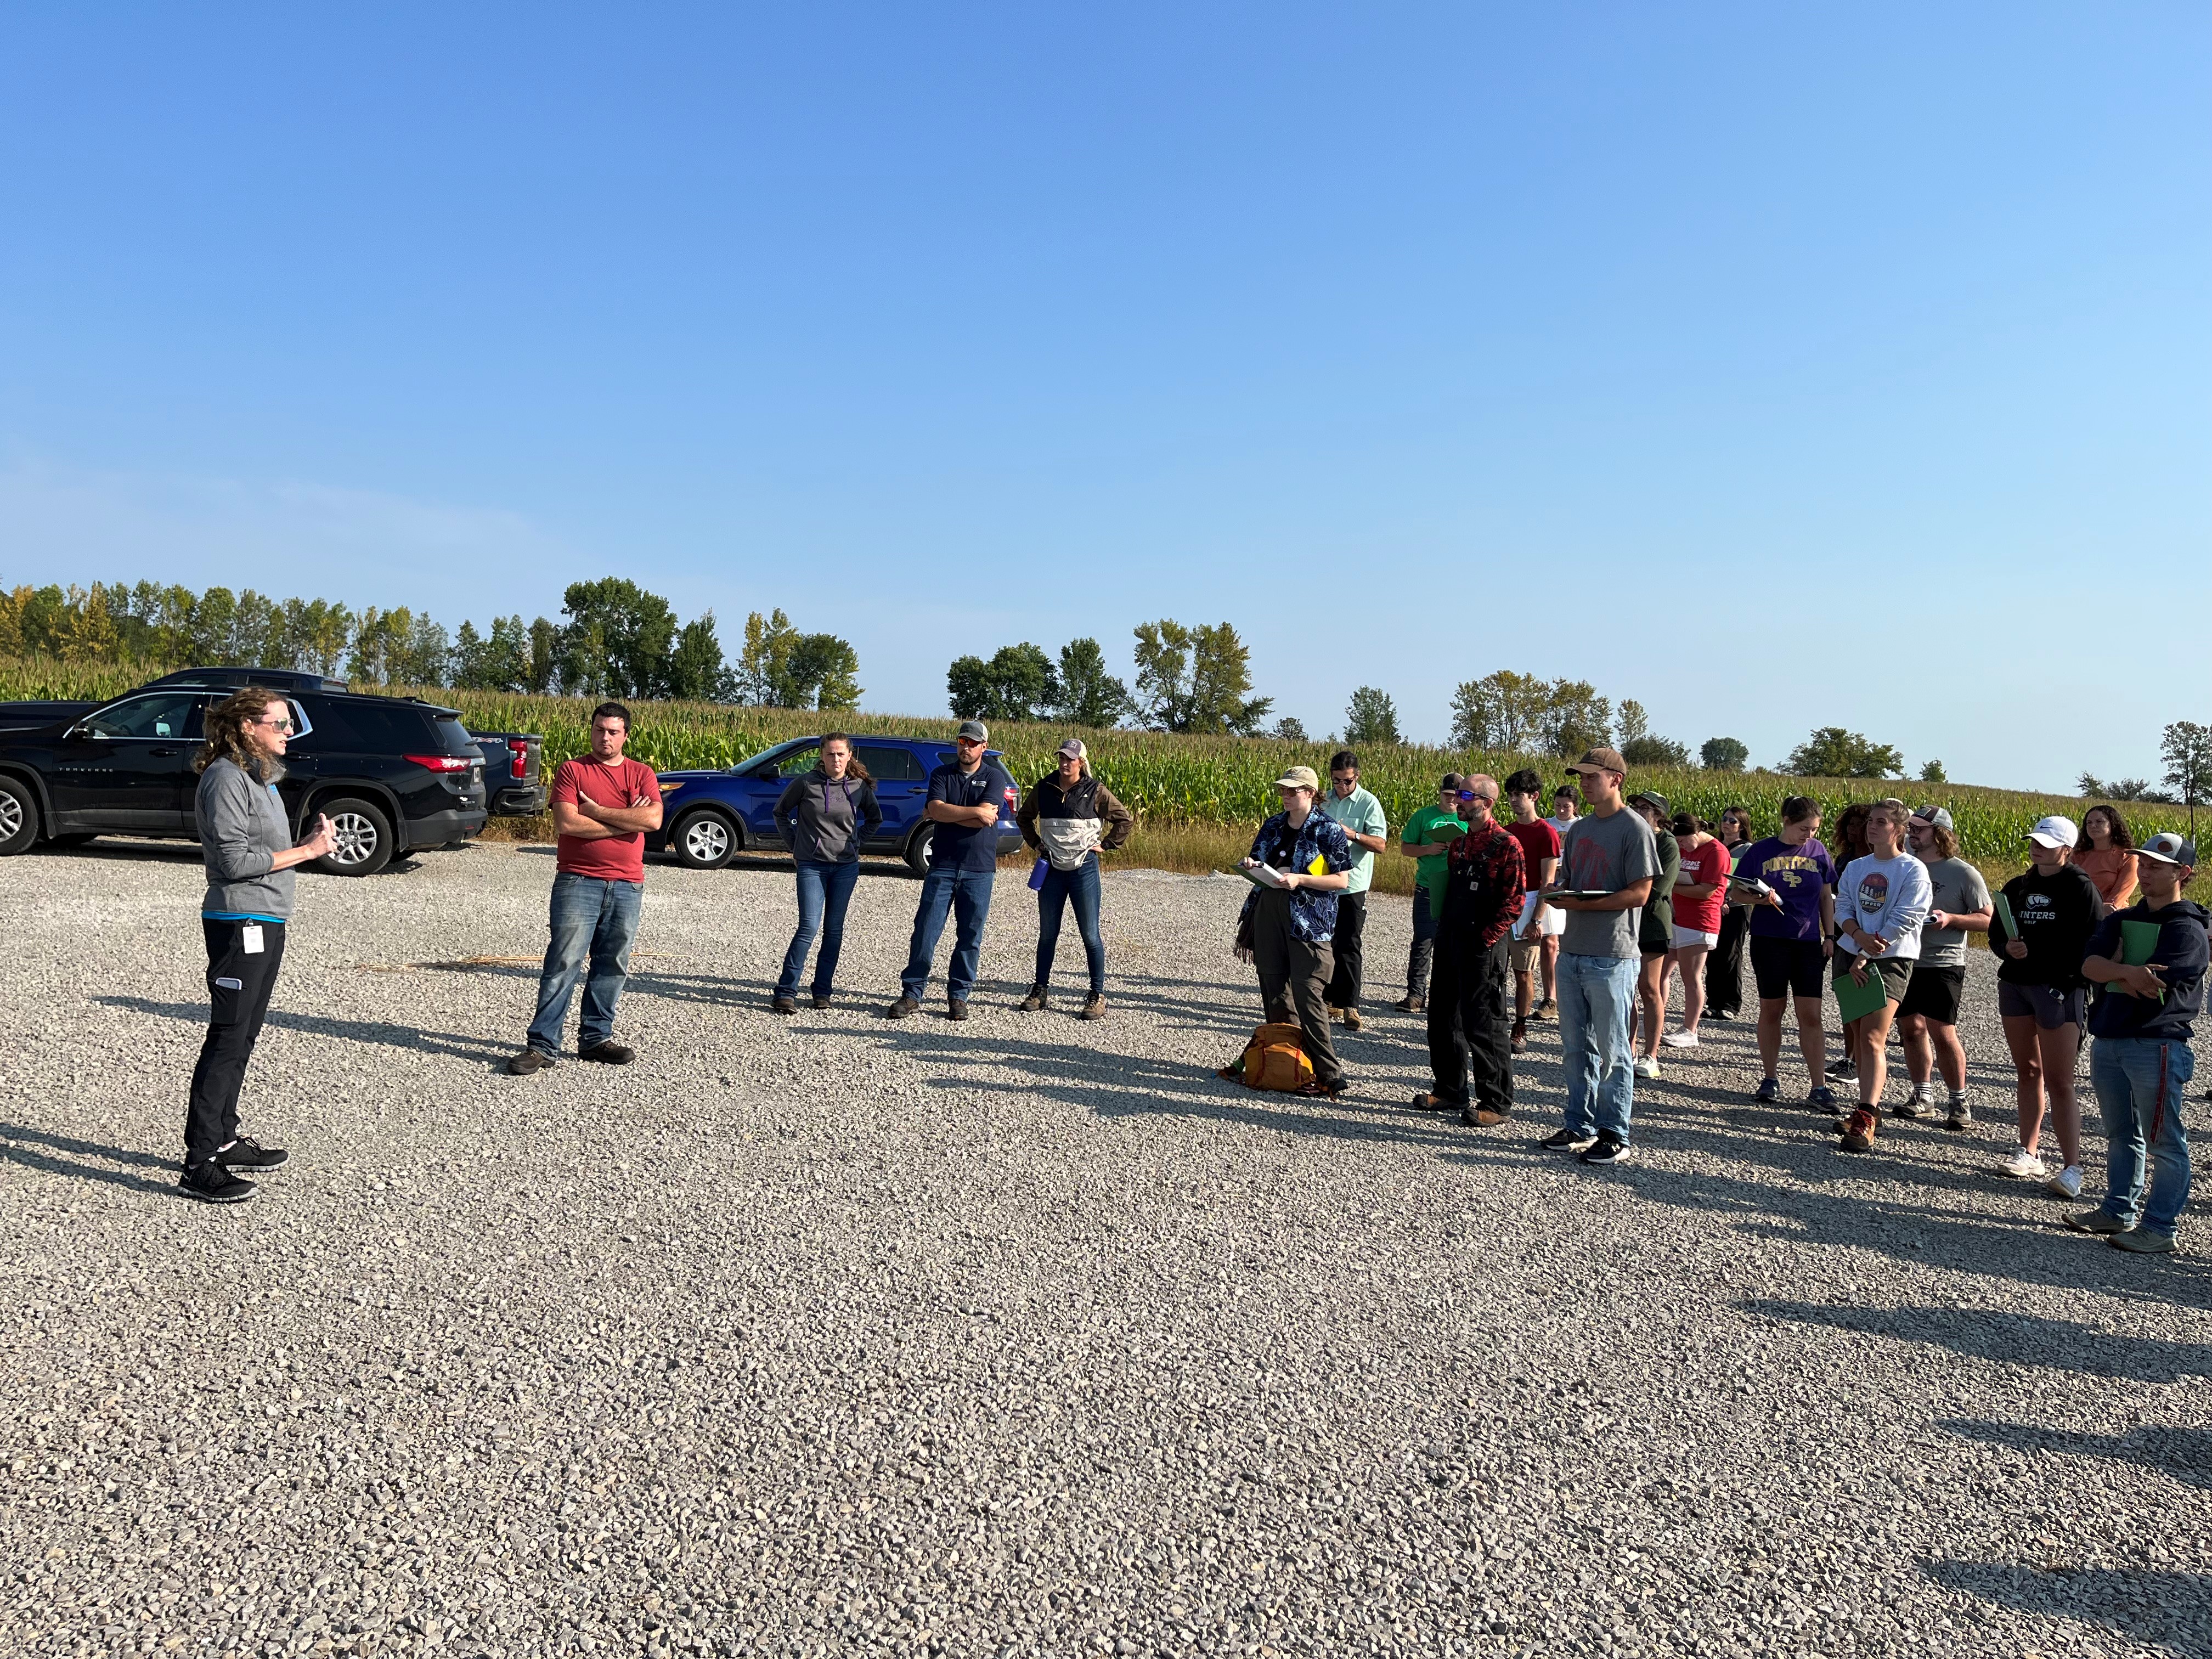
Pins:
<point x="967" y="894"/>
<point x="2140" y="1082"/>
<point x="1596" y="996"/>
<point x="595" y="918"/>
<point x="1078" y="886"/>
<point x="824" y="891"/>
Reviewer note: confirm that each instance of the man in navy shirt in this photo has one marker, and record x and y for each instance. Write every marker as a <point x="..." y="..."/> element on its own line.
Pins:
<point x="966" y="800"/>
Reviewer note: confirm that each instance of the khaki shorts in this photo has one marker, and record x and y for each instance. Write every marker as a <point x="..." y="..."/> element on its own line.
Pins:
<point x="1524" y="953"/>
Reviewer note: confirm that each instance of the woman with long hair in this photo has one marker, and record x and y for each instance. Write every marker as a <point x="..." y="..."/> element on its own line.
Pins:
<point x="1655" y="937"/>
<point x="1068" y="819"/>
<point x="2040" y="997"/>
<point x="822" y="817"/>
<point x="1724" y="965"/>
<point x="2107" y="855"/>
<point x="1849" y="845"/>
<point x="1700" y="895"/>
<point x="245" y="843"/>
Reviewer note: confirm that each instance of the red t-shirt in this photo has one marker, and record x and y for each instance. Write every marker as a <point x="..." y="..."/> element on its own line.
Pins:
<point x="1538" y="840"/>
<point x="1706" y="867"/>
<point x="626" y="783"/>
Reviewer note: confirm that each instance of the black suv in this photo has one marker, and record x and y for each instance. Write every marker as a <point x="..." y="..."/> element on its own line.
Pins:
<point x="393" y="774"/>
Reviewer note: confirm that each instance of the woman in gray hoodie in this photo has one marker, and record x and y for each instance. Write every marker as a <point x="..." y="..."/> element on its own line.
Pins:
<point x="822" y="817"/>
<point x="245" y="843"/>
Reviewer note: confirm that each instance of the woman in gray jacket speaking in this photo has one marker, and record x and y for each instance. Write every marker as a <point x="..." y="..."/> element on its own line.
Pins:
<point x="245" y="843"/>
<point x="1068" y="819"/>
<point x="822" y="817"/>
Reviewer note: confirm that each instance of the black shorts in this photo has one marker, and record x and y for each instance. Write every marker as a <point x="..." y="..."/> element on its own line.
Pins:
<point x="1787" y="967"/>
<point x="1935" y="992"/>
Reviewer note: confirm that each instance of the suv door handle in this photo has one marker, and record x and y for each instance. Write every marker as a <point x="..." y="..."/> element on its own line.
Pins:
<point x="165" y="751"/>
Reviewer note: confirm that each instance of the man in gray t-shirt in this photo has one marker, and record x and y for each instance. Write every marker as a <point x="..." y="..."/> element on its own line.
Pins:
<point x="1928" y="1017"/>
<point x="1612" y="856"/>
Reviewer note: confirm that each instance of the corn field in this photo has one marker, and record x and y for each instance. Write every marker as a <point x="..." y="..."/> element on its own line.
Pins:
<point x="1226" y="781"/>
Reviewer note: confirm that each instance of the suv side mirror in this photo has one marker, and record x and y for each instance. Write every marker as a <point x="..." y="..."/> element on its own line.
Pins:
<point x="80" y="732"/>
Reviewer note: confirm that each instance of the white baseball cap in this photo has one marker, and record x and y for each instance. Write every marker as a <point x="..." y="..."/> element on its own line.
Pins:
<point x="2054" y="831"/>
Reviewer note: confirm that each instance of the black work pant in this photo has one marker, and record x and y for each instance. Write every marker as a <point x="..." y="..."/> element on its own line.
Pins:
<point x="1344" y="943"/>
<point x="239" y="984"/>
<point x="1292" y="973"/>
<point x="1470" y="1023"/>
<point x="1724" y="966"/>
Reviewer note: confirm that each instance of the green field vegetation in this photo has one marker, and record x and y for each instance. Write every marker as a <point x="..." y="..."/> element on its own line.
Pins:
<point x="1198" y="788"/>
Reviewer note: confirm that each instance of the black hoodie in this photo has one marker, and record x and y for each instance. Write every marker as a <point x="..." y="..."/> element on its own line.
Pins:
<point x="2183" y="952"/>
<point x="2057" y="913"/>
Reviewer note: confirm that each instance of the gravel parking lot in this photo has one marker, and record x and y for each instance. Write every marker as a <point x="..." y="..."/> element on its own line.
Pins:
<point x="830" y="1335"/>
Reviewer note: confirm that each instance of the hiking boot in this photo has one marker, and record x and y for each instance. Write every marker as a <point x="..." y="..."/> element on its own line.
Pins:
<point x="1545" y="1010"/>
<point x="1609" y="1149"/>
<point x="821" y="1001"/>
<point x="1336" y="1015"/>
<point x="2097" y="1221"/>
<point x="1484" y="1117"/>
<point x="211" y="1184"/>
<point x="529" y="1060"/>
<point x="247" y="1153"/>
<point x="1858" y="1133"/>
<point x="780" y="1004"/>
<point x="1770" y="1091"/>
<point x="1569" y="1140"/>
<point x="1094" y="1006"/>
<point x="2141" y="1243"/>
<point x="1520" y="1037"/>
<point x="903" y="1008"/>
<point x="1823" y="1099"/>
<point x="607" y="1054"/>
<point x="1961" y="1118"/>
<point x="1410" y="1005"/>
<point x="955" y="1008"/>
<point x="2066" y="1183"/>
<point x="1034" y="1000"/>
<point x="1352" y="1021"/>
<point x="1432" y="1102"/>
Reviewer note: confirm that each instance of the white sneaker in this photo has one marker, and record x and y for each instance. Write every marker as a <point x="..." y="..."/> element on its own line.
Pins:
<point x="1680" y="1039"/>
<point x="1646" y="1068"/>
<point x="2024" y="1165"/>
<point x="2066" y="1183"/>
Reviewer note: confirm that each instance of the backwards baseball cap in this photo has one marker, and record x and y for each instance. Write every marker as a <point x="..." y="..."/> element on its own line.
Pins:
<point x="1658" y="802"/>
<point x="2054" y="831"/>
<point x="1073" y="750"/>
<point x="1936" y="816"/>
<point x="2168" y="846"/>
<point x="1601" y="760"/>
<point x="974" y="732"/>
<point x="1298" y="777"/>
<point x="1452" y="784"/>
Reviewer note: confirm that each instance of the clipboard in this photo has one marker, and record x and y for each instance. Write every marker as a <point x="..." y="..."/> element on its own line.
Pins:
<point x="1854" y="1000"/>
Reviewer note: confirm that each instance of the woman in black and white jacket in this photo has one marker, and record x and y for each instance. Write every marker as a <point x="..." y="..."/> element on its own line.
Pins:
<point x="1068" y="819"/>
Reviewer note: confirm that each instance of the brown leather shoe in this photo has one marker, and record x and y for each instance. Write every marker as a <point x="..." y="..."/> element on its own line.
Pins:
<point x="1094" y="1006"/>
<point x="1484" y="1117"/>
<point x="1431" y="1101"/>
<point x="1352" y="1021"/>
<point x="529" y="1060"/>
<point x="608" y="1053"/>
<point x="1034" y="1000"/>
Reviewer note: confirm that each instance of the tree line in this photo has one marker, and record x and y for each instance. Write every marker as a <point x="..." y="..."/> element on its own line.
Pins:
<point x="615" y="639"/>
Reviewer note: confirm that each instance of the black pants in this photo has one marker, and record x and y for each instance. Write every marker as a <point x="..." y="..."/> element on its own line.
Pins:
<point x="1351" y="924"/>
<point x="239" y="985"/>
<point x="1725" y="967"/>
<point x="1470" y="1023"/>
<point x="1292" y="975"/>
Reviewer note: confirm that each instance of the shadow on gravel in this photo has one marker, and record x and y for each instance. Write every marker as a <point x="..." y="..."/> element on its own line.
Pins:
<point x="2184" y="1453"/>
<point x="41" y="1154"/>
<point x="452" y="1043"/>
<point x="2011" y="1339"/>
<point x="2172" y="1609"/>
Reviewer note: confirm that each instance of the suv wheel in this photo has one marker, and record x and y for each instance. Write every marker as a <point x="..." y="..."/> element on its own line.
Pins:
<point x="364" y="837"/>
<point x="917" y="851"/>
<point x="704" y="840"/>
<point x="19" y="815"/>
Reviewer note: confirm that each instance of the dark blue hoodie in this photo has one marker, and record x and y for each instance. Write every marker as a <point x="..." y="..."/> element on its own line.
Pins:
<point x="2183" y="952"/>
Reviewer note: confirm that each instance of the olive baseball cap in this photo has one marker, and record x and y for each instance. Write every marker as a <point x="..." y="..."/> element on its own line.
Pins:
<point x="1601" y="760"/>
<point x="1298" y="777"/>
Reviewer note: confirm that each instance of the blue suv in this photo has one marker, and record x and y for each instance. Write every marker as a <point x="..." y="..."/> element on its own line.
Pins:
<point x="707" y="817"/>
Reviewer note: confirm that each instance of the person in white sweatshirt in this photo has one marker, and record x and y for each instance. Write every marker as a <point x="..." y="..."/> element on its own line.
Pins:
<point x="1881" y="901"/>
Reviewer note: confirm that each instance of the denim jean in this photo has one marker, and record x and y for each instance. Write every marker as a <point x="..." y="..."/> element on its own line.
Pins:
<point x="1424" y="946"/>
<point x="1079" y="887"/>
<point x="824" y="891"/>
<point x="591" y="918"/>
<point x="1596" y="994"/>
<point x="2139" y="1083"/>
<point x="967" y="894"/>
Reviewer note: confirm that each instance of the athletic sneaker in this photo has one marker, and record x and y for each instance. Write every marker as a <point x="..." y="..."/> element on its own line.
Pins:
<point x="1549" y="1007"/>
<point x="2024" y="1165"/>
<point x="1962" y="1116"/>
<point x="1770" y="1091"/>
<point x="2066" y="1183"/>
<point x="2096" y="1221"/>
<point x="1569" y="1140"/>
<point x="1647" y="1068"/>
<point x="1609" y="1149"/>
<point x="247" y="1153"/>
<point x="2142" y="1244"/>
<point x="1913" y="1105"/>
<point x="1842" y="1068"/>
<point x="211" y="1183"/>
<point x="1520" y="1037"/>
<point x="1823" y="1099"/>
<point x="1680" y="1039"/>
<point x="1859" y="1132"/>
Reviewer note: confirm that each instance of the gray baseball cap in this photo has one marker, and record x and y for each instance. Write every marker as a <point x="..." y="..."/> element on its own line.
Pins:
<point x="1936" y="815"/>
<point x="974" y="732"/>
<point x="2169" y="847"/>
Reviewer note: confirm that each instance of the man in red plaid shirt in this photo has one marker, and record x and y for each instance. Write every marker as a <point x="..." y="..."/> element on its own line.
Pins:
<point x="1470" y="1021"/>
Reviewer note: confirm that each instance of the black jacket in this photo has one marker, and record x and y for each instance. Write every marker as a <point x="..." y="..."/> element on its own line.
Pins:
<point x="2183" y="952"/>
<point x="2057" y="913"/>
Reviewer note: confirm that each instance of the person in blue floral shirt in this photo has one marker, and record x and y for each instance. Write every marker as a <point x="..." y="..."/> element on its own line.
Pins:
<point x="1285" y="927"/>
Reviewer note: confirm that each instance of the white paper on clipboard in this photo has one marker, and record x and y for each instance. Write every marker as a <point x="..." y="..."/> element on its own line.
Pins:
<point x="1527" y="914"/>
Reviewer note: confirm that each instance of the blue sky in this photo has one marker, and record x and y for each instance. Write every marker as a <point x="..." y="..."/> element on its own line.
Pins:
<point x="1778" y="368"/>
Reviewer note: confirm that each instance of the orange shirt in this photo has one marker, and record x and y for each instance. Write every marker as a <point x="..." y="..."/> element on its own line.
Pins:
<point x="2112" y="870"/>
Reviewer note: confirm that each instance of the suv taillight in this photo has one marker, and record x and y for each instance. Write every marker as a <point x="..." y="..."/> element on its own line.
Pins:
<point x="444" y="762"/>
<point x="519" y="748"/>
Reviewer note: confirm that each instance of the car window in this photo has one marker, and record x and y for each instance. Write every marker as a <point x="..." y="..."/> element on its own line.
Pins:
<point x="367" y="729"/>
<point x="455" y="735"/>
<point x="164" y="714"/>
<point x="887" y="763"/>
<point x="795" y="764"/>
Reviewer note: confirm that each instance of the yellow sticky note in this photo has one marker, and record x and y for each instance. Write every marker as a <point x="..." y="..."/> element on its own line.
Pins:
<point x="1318" y="867"/>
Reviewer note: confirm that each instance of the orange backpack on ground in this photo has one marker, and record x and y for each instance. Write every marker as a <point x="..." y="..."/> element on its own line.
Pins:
<point x="1276" y="1059"/>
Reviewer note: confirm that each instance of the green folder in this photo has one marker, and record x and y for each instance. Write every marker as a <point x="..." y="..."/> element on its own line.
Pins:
<point x="1856" y="1001"/>
<point x="2138" y="943"/>
<point x="2003" y="907"/>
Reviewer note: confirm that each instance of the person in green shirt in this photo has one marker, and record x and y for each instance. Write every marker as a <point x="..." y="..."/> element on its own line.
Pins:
<point x="1426" y="835"/>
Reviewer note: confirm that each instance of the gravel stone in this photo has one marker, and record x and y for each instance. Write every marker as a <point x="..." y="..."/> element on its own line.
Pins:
<point x="826" y="1335"/>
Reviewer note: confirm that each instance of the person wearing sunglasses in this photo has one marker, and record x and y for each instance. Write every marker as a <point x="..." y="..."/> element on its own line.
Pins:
<point x="245" y="843"/>
<point x="1724" y="965"/>
<point x="1360" y="816"/>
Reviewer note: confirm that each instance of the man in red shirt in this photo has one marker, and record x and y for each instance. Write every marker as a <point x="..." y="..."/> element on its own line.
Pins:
<point x="603" y="804"/>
